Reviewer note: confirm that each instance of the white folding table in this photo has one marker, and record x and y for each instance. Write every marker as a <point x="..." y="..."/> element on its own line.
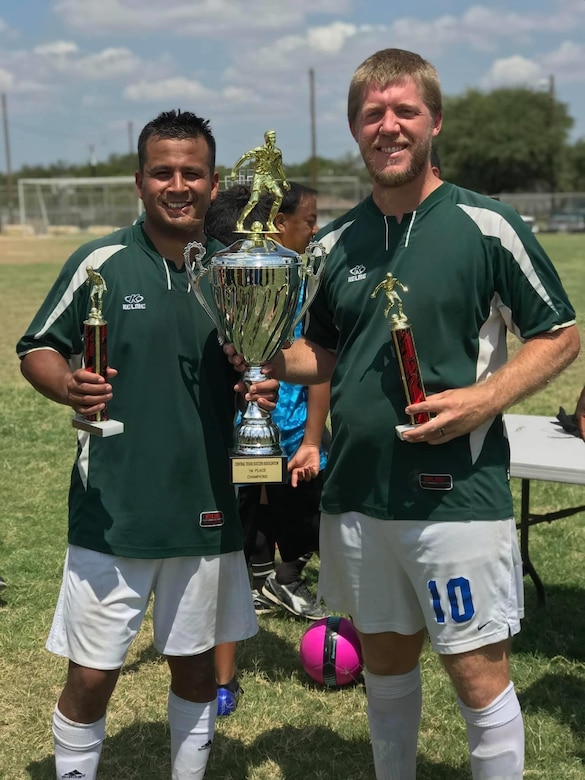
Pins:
<point x="541" y="449"/>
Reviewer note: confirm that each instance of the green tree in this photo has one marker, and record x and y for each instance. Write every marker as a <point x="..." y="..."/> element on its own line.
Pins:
<point x="574" y="178"/>
<point x="507" y="140"/>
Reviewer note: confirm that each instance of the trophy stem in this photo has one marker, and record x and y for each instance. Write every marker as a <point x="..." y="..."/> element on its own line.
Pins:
<point x="256" y="434"/>
<point x="95" y="331"/>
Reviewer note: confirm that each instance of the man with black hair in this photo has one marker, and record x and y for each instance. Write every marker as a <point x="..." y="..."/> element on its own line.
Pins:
<point x="151" y="511"/>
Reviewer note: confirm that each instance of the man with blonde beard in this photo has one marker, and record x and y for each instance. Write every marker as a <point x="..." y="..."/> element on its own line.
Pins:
<point x="417" y="533"/>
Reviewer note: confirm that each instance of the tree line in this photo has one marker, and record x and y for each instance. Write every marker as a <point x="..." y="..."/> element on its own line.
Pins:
<point x="506" y="140"/>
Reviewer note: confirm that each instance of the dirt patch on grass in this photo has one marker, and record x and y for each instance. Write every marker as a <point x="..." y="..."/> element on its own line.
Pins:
<point x="26" y="250"/>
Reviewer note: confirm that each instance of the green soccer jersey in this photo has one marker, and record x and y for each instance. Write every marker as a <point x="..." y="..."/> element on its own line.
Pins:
<point x="472" y="271"/>
<point x="161" y="488"/>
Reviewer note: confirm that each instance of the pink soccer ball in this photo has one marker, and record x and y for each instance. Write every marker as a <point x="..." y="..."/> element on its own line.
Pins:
<point x="330" y="652"/>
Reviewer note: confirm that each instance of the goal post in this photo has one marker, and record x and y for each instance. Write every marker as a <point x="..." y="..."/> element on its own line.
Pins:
<point x="77" y="203"/>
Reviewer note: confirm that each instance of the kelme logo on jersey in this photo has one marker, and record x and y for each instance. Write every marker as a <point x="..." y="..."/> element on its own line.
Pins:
<point x="211" y="519"/>
<point x="357" y="273"/>
<point x="134" y="301"/>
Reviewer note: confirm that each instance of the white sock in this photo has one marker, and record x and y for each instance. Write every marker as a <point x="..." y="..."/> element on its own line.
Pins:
<point x="496" y="738"/>
<point x="78" y="746"/>
<point x="192" y="726"/>
<point x="394" y="708"/>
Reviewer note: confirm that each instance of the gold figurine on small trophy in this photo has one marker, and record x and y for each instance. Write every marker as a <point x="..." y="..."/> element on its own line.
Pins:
<point x="389" y="285"/>
<point x="95" y="351"/>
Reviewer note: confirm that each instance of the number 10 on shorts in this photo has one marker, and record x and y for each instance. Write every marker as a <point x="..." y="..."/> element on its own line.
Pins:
<point x="454" y="598"/>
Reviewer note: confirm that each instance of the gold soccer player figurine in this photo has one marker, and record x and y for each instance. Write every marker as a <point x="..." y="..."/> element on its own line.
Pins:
<point x="389" y="285"/>
<point x="98" y="288"/>
<point x="268" y="170"/>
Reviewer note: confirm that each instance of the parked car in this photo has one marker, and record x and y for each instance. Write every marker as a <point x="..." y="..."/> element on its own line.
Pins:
<point x="569" y="222"/>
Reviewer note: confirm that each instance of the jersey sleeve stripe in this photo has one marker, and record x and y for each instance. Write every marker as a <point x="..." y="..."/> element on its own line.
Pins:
<point x="95" y="259"/>
<point x="330" y="239"/>
<point x="494" y="225"/>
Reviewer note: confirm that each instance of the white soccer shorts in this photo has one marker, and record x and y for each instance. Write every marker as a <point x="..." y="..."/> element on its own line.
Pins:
<point x="460" y="580"/>
<point x="199" y="602"/>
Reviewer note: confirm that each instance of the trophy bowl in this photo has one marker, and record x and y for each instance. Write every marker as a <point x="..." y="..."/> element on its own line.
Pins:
<point x="257" y="286"/>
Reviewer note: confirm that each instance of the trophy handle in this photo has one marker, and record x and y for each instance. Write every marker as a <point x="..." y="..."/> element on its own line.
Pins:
<point x="196" y="271"/>
<point x="314" y="267"/>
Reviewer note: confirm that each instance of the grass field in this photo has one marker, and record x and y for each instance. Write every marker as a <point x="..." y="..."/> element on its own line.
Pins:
<point x="285" y="728"/>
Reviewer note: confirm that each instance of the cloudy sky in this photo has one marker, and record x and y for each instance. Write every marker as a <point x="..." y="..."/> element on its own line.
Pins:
<point x="81" y="77"/>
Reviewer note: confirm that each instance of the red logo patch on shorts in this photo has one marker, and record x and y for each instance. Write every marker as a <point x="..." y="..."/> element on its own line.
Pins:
<point x="435" y="481"/>
<point x="211" y="519"/>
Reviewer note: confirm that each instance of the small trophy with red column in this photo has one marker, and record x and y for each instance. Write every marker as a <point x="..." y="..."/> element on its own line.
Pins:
<point x="403" y="340"/>
<point x="95" y="331"/>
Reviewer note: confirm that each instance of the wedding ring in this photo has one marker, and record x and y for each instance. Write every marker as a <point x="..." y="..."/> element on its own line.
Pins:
<point x="441" y="431"/>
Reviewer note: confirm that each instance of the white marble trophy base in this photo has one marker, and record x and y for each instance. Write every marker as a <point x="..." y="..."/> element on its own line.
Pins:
<point x="406" y="427"/>
<point x="103" y="428"/>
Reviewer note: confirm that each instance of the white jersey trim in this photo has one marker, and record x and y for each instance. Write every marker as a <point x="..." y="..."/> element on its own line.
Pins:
<point x="494" y="225"/>
<point x="332" y="238"/>
<point x="96" y="259"/>
<point x="83" y="459"/>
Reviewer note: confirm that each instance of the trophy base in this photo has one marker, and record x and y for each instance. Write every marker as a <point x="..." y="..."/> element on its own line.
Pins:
<point x="400" y="429"/>
<point x="258" y="469"/>
<point x="103" y="428"/>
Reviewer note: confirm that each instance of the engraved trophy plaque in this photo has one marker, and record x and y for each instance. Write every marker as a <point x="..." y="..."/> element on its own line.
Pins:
<point x="256" y="285"/>
<point x="95" y="330"/>
<point x="405" y="349"/>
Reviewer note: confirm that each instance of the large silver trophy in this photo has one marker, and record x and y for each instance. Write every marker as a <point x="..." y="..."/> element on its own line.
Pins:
<point x="257" y="286"/>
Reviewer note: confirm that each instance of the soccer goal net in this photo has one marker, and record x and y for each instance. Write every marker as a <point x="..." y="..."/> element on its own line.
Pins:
<point x="77" y="203"/>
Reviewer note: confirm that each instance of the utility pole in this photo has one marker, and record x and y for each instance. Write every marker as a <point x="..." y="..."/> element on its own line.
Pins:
<point x="314" y="175"/>
<point x="8" y="160"/>
<point x="92" y="159"/>
<point x="553" y="143"/>
<point x="131" y="137"/>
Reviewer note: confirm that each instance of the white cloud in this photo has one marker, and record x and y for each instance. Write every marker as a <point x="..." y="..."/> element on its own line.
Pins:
<point x="56" y="49"/>
<point x="108" y="64"/>
<point x="30" y="87"/>
<point x="181" y="89"/>
<point x="6" y="31"/>
<point x="178" y="88"/>
<point x="18" y="86"/>
<point x="480" y="27"/>
<point x="185" y="17"/>
<point x="245" y="63"/>
<point x="6" y="80"/>
<point x="64" y="59"/>
<point x="512" y="71"/>
<point x="240" y="95"/>
<point x="567" y="62"/>
<point x="284" y="54"/>
<point x="331" y="39"/>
